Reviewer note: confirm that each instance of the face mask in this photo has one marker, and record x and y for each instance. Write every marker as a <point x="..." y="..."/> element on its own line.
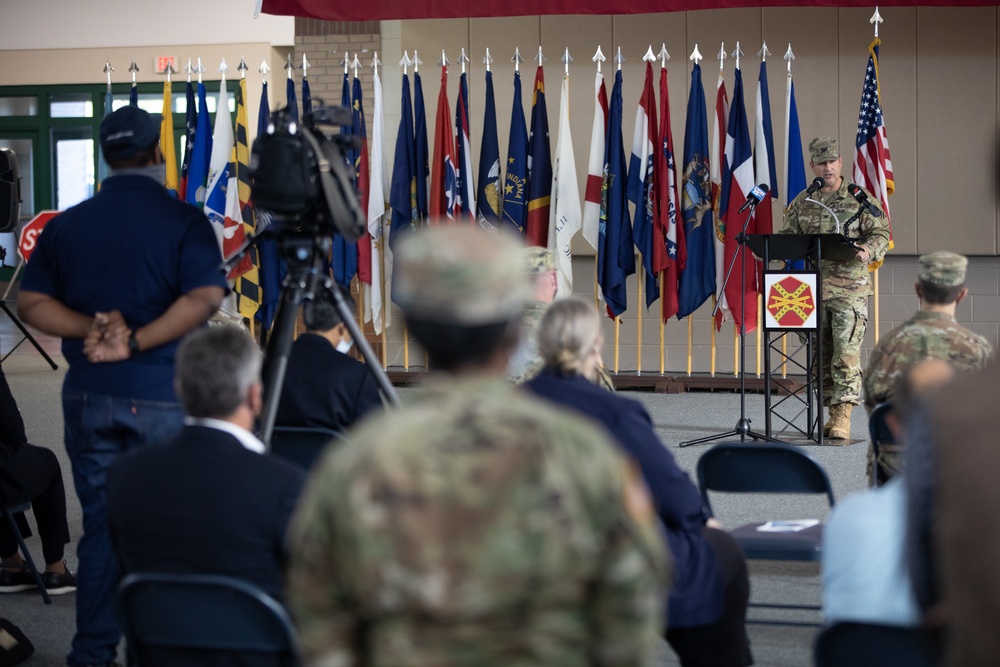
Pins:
<point x="345" y="345"/>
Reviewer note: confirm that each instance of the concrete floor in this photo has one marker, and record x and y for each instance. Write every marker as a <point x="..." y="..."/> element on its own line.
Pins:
<point x="676" y="417"/>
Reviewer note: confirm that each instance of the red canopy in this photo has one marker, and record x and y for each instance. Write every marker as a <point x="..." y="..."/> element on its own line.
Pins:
<point x="375" y="10"/>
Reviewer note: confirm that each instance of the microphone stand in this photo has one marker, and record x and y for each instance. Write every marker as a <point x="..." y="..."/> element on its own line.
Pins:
<point x="742" y="427"/>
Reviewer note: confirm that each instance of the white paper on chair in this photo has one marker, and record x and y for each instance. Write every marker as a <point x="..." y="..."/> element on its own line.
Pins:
<point x="790" y="526"/>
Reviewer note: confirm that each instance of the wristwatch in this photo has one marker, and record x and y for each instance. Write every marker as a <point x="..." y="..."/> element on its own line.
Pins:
<point x="133" y="345"/>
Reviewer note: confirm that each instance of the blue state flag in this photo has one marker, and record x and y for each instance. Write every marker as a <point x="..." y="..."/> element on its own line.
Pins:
<point x="102" y="164"/>
<point x="201" y="155"/>
<point x="463" y="150"/>
<point x="271" y="267"/>
<point x="615" y="257"/>
<point x="403" y="190"/>
<point x="191" y="128"/>
<point x="697" y="279"/>
<point x="344" y="255"/>
<point x="488" y="198"/>
<point x="539" y="167"/>
<point x="795" y="166"/>
<point x="133" y="95"/>
<point x="290" y="102"/>
<point x="420" y="152"/>
<point x="515" y="185"/>
<point x="307" y="98"/>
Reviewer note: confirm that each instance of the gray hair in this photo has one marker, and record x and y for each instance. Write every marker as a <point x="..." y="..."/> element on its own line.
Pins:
<point x="215" y="368"/>
<point x="567" y="334"/>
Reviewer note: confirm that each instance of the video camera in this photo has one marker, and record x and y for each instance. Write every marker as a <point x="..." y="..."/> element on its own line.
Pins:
<point x="302" y="177"/>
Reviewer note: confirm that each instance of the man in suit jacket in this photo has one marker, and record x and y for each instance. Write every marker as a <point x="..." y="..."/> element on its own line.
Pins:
<point x="323" y="386"/>
<point x="207" y="501"/>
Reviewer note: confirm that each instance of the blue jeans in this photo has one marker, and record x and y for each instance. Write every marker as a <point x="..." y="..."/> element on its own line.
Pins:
<point x="98" y="429"/>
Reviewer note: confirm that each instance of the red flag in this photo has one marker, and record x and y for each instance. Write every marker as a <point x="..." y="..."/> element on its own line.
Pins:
<point x="715" y="167"/>
<point x="595" y="166"/>
<point x="673" y="253"/>
<point x="444" y="185"/>
<point x="363" y="180"/>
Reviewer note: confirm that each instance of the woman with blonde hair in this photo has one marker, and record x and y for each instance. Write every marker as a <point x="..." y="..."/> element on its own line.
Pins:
<point x="706" y="613"/>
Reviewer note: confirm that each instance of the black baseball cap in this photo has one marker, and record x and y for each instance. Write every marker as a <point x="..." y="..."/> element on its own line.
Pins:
<point x="127" y="131"/>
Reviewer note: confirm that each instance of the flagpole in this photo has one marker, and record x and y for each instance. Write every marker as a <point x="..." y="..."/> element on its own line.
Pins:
<point x="664" y="57"/>
<point x="875" y="20"/>
<point x="711" y="325"/>
<point x="715" y="297"/>
<point x="690" y="335"/>
<point x="695" y="57"/>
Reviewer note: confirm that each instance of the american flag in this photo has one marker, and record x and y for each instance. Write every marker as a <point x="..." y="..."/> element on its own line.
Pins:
<point x="872" y="165"/>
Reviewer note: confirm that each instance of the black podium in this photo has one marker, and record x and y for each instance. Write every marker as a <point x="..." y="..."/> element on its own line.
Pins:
<point x="792" y="300"/>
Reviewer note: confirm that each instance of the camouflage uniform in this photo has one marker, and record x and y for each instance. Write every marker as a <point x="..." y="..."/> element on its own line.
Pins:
<point x="475" y="526"/>
<point x="846" y="285"/>
<point x="926" y="335"/>
<point x="526" y="362"/>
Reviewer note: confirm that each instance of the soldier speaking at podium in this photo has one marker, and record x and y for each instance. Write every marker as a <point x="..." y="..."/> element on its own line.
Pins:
<point x="837" y="206"/>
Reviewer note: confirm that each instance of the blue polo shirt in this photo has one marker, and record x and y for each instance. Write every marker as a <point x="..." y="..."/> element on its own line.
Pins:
<point x="134" y="248"/>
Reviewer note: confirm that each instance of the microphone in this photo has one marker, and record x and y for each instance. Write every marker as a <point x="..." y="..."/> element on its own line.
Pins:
<point x="860" y="196"/>
<point x="755" y="197"/>
<point x="814" y="186"/>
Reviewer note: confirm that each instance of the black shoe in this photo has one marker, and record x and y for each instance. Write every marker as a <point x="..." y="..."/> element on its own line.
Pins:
<point x="13" y="581"/>
<point x="58" y="584"/>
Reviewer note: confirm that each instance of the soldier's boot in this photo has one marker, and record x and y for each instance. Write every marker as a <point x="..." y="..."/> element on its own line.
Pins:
<point x="840" y="421"/>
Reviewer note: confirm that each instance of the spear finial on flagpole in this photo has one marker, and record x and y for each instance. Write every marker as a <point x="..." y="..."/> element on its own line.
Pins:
<point x="264" y="69"/>
<point x="289" y="66"/>
<point x="789" y="57"/>
<point x="169" y="69"/>
<point x="200" y="69"/>
<point x="488" y="60"/>
<point x="134" y="69"/>
<point x="375" y="63"/>
<point x="764" y="52"/>
<point x="405" y="62"/>
<point x="599" y="58"/>
<point x="417" y="62"/>
<point x="650" y="56"/>
<point x="356" y="64"/>
<point x="242" y="68"/>
<point x="517" y="59"/>
<point x="722" y="57"/>
<point x="876" y="19"/>
<point x="619" y="59"/>
<point x="664" y="56"/>
<point x="566" y="60"/>
<point x="346" y="62"/>
<point x="224" y="69"/>
<point x="738" y="53"/>
<point x="108" y="69"/>
<point x="444" y="62"/>
<point x="696" y="55"/>
<point x="305" y="67"/>
<point x="463" y="59"/>
<point x="540" y="58"/>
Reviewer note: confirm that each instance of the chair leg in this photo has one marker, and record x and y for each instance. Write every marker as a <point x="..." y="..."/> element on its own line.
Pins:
<point x="27" y="556"/>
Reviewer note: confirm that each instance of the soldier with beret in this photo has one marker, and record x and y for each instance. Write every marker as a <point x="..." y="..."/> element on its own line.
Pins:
<point x="846" y="284"/>
<point x="932" y="333"/>
<point x="476" y="525"/>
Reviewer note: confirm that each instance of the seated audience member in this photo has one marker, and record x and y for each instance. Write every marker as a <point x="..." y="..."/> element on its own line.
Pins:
<point x="708" y="599"/>
<point x="957" y="531"/>
<point x="207" y="501"/>
<point x="29" y="473"/>
<point x="474" y="526"/>
<point x="932" y="333"/>
<point x="323" y="386"/>
<point x="865" y="574"/>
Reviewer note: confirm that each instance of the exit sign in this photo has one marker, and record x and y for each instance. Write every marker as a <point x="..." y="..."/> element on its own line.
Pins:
<point x="160" y="63"/>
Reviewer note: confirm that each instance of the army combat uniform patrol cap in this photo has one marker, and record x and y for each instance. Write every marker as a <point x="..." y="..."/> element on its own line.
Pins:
<point x="823" y="149"/>
<point x="943" y="268"/>
<point x="538" y="260"/>
<point x="460" y="275"/>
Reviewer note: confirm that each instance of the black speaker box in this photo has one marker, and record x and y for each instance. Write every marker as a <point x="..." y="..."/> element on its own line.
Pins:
<point x="10" y="190"/>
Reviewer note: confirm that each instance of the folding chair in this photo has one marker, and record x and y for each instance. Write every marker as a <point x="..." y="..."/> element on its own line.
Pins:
<point x="9" y="512"/>
<point x="744" y="467"/>
<point x="169" y="612"/>
<point x="301" y="445"/>
<point x="882" y="441"/>
<point x="870" y="645"/>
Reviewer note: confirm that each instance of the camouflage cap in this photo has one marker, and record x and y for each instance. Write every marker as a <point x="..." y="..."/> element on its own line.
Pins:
<point x="460" y="275"/>
<point x="538" y="260"/>
<point x="943" y="268"/>
<point x="823" y="149"/>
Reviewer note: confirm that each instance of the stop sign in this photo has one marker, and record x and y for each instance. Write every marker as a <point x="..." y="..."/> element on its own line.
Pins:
<point x="28" y="239"/>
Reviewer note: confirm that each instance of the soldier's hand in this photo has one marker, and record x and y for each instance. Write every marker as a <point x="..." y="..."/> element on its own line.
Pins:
<point x="863" y="256"/>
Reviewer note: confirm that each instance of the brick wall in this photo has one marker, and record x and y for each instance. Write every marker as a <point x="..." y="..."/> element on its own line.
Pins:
<point x="325" y="44"/>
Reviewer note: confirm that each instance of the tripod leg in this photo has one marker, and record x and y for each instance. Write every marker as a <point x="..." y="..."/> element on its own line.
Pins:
<point x="27" y="336"/>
